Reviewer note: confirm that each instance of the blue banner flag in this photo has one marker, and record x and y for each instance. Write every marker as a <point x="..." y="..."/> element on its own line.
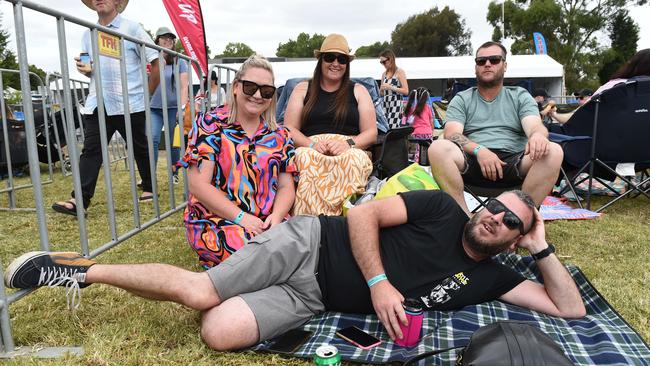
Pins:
<point x="540" y="43"/>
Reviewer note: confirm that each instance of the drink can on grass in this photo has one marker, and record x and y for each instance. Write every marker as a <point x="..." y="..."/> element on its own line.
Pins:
<point x="327" y="355"/>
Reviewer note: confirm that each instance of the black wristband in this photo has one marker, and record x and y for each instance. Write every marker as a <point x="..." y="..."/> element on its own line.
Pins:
<point x="544" y="253"/>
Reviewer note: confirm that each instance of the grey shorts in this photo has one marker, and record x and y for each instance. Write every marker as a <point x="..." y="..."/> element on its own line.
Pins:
<point x="274" y="273"/>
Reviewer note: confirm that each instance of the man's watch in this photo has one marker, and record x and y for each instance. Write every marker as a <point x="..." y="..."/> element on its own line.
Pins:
<point x="350" y="142"/>
<point x="544" y="253"/>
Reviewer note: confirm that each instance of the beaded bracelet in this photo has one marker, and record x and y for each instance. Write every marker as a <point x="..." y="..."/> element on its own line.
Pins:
<point x="378" y="278"/>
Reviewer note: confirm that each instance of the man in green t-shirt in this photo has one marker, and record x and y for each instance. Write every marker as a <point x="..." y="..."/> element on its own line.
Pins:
<point x="494" y="136"/>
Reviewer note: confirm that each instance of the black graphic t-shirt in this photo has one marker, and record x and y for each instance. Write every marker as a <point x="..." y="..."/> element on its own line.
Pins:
<point x="423" y="259"/>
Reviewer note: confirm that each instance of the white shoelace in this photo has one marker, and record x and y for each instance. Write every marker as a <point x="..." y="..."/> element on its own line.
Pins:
<point x="53" y="277"/>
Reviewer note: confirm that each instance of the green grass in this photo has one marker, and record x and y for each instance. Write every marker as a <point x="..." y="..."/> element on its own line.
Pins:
<point x="116" y="328"/>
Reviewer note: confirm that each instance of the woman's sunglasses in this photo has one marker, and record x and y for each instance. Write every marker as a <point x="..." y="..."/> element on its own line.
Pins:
<point x="494" y="60"/>
<point x="383" y="62"/>
<point x="510" y="219"/>
<point x="250" y="88"/>
<point x="329" y="57"/>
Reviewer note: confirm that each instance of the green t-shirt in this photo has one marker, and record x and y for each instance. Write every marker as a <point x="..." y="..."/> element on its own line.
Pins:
<point x="495" y="124"/>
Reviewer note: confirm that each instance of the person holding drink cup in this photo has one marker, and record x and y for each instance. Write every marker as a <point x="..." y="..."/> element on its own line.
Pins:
<point x="417" y="244"/>
<point x="90" y="161"/>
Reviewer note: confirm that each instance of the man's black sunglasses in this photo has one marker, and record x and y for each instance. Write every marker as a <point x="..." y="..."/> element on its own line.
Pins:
<point x="494" y="60"/>
<point x="250" y="88"/>
<point x="510" y="219"/>
<point x="329" y="57"/>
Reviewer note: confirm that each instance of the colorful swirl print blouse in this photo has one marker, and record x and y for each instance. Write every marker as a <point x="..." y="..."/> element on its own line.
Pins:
<point x="246" y="171"/>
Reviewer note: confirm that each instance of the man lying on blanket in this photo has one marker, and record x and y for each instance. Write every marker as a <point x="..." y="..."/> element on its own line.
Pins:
<point x="418" y="244"/>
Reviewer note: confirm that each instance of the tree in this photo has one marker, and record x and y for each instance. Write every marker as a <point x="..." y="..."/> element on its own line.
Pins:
<point x="38" y="71"/>
<point x="372" y="50"/>
<point x="303" y="46"/>
<point x="237" y="49"/>
<point x="624" y="34"/>
<point x="570" y="28"/>
<point x="8" y="61"/>
<point x="432" y="33"/>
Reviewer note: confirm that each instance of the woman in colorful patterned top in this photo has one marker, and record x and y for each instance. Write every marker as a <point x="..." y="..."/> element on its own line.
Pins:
<point x="240" y="166"/>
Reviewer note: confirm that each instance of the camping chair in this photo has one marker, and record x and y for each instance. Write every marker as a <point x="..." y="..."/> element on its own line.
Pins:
<point x="440" y="109"/>
<point x="612" y="128"/>
<point x="390" y="153"/>
<point x="368" y="83"/>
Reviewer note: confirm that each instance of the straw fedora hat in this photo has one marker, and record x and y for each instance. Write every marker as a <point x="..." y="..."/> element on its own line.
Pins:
<point x="120" y="8"/>
<point x="334" y="43"/>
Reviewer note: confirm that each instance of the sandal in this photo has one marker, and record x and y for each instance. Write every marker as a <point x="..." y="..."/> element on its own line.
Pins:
<point x="146" y="197"/>
<point x="62" y="207"/>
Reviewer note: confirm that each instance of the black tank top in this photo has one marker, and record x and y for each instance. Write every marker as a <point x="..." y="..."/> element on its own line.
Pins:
<point x="321" y="118"/>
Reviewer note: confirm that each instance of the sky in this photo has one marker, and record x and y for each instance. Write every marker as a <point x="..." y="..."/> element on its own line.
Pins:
<point x="261" y="24"/>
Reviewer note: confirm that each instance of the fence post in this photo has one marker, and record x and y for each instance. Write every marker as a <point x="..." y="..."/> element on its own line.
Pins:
<point x="30" y="131"/>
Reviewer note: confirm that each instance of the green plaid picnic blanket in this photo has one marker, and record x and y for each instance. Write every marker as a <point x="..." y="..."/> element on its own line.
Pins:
<point x="603" y="337"/>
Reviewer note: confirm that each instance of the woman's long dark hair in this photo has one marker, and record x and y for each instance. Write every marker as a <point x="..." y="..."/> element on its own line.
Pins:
<point x="638" y="65"/>
<point x="422" y="96"/>
<point x="390" y="55"/>
<point x="170" y="60"/>
<point x="340" y="106"/>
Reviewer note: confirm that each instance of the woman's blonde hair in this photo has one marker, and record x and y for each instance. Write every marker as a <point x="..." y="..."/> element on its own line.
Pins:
<point x="255" y="61"/>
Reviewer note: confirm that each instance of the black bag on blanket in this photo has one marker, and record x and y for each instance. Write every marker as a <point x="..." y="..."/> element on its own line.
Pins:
<point x="506" y="344"/>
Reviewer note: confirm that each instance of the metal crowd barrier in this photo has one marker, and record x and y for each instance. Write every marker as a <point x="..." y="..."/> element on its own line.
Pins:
<point x="117" y="145"/>
<point x="7" y="348"/>
<point x="230" y="75"/>
<point x="8" y="142"/>
<point x="54" y="100"/>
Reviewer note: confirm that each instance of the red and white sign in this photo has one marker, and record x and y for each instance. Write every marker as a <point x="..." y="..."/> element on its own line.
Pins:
<point x="188" y="21"/>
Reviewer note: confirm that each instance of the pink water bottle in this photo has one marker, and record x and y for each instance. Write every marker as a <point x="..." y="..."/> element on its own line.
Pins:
<point x="411" y="332"/>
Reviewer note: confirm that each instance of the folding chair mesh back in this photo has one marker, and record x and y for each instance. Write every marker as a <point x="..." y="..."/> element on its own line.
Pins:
<point x="618" y="122"/>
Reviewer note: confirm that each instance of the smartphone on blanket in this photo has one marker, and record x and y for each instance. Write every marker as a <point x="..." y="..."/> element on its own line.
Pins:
<point x="289" y="342"/>
<point x="358" y="337"/>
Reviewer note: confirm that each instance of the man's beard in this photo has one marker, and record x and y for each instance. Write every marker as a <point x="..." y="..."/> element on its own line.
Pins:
<point x="470" y="238"/>
<point x="498" y="80"/>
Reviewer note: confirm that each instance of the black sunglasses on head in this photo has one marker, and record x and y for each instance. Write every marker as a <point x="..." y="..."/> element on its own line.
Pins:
<point x="510" y="219"/>
<point x="329" y="57"/>
<point x="250" y="88"/>
<point x="494" y="60"/>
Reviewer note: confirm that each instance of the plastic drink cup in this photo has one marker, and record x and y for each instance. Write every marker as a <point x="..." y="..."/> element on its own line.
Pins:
<point x="411" y="332"/>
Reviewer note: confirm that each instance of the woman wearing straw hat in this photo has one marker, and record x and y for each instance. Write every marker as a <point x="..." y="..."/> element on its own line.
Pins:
<point x="332" y="120"/>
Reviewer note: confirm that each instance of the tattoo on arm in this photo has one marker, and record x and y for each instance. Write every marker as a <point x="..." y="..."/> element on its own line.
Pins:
<point x="460" y="139"/>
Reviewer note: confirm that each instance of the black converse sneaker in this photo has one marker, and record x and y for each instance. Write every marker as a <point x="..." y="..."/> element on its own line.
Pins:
<point x="35" y="269"/>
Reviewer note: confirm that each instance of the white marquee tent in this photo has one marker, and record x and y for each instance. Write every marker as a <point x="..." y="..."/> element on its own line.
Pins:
<point x="433" y="72"/>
